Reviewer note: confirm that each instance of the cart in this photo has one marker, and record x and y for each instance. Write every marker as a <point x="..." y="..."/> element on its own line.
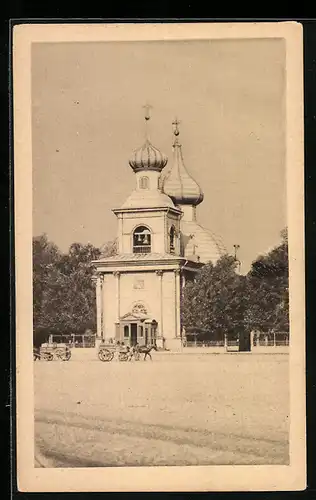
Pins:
<point x="50" y="352"/>
<point x="106" y="353"/>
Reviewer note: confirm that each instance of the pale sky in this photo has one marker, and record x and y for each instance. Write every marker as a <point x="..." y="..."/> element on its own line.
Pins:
<point x="88" y="113"/>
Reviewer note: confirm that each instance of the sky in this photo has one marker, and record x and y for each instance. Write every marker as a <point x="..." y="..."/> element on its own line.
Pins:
<point x="88" y="118"/>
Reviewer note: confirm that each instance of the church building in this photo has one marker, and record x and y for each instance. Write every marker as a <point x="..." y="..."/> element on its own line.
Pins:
<point x="160" y="246"/>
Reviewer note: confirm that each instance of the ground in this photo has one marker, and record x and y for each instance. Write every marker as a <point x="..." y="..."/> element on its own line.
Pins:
<point x="179" y="409"/>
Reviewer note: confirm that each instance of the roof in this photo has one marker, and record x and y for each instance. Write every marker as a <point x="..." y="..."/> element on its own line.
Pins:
<point x="140" y="257"/>
<point x="148" y="199"/>
<point x="198" y="240"/>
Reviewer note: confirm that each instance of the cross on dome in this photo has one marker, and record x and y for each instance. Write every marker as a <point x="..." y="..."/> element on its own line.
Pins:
<point x="147" y="108"/>
<point x="175" y="124"/>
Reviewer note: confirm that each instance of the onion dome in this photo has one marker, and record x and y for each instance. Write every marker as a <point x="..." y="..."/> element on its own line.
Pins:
<point x="178" y="183"/>
<point x="148" y="158"/>
<point x="200" y="243"/>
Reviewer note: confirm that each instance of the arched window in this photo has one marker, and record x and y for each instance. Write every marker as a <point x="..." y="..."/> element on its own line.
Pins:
<point x="141" y="240"/>
<point x="172" y="235"/>
<point x="126" y="331"/>
<point x="144" y="183"/>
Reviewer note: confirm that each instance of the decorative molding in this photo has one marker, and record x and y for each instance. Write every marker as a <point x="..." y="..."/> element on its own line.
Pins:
<point x="97" y="278"/>
<point x="151" y="266"/>
<point x="139" y="308"/>
<point x="116" y="273"/>
<point x="177" y="272"/>
<point x="139" y="284"/>
<point x="183" y="281"/>
<point x="148" y="209"/>
<point x="105" y="264"/>
<point x="159" y="272"/>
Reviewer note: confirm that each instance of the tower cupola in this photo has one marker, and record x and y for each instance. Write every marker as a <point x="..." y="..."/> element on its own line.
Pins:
<point x="178" y="183"/>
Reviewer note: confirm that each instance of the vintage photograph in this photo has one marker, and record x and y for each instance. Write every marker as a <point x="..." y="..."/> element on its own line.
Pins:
<point x="161" y="244"/>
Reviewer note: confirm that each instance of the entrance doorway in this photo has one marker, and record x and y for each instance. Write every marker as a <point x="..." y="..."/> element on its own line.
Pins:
<point x="133" y="333"/>
<point x="244" y="342"/>
<point x="146" y="335"/>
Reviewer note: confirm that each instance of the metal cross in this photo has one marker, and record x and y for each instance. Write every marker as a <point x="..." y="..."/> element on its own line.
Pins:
<point x="175" y="123"/>
<point x="236" y="247"/>
<point x="147" y="108"/>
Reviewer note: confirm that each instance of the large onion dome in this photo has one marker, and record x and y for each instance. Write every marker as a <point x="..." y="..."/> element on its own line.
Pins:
<point x="200" y="243"/>
<point x="178" y="183"/>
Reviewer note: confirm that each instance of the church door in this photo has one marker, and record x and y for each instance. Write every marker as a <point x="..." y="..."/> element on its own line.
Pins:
<point x="244" y="342"/>
<point x="133" y="333"/>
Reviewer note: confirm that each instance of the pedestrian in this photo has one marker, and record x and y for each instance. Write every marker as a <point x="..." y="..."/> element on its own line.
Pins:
<point x="136" y="351"/>
<point x="129" y="353"/>
<point x="117" y="351"/>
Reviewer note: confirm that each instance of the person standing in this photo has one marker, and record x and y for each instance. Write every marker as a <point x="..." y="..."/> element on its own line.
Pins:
<point x="117" y="351"/>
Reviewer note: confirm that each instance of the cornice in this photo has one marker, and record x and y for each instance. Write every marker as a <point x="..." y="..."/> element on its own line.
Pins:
<point x="175" y="210"/>
<point x="147" y="266"/>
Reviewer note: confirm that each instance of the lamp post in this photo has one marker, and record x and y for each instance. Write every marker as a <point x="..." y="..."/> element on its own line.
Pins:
<point x="237" y="247"/>
<point x="154" y="329"/>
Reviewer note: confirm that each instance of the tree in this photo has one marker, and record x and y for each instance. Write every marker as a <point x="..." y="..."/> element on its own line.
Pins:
<point x="220" y="300"/>
<point x="45" y="256"/>
<point x="70" y="299"/>
<point x="64" y="295"/>
<point x="109" y="249"/>
<point x="215" y="301"/>
<point x="268" y="294"/>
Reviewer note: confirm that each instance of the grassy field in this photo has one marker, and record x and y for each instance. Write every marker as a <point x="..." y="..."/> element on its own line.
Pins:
<point x="176" y="410"/>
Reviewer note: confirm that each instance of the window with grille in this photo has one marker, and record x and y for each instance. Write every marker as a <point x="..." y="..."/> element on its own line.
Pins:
<point x="141" y="240"/>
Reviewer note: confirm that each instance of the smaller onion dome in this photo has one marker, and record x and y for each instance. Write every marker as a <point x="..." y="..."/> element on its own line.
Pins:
<point x="178" y="183"/>
<point x="148" y="158"/>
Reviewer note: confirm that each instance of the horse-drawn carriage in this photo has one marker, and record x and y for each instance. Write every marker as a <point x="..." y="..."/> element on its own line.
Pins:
<point x="107" y="352"/>
<point x="52" y="351"/>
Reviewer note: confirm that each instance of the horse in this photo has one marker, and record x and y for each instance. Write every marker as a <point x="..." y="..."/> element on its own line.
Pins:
<point x="36" y="353"/>
<point x="146" y="350"/>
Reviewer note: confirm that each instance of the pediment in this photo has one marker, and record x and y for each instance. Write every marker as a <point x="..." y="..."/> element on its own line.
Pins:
<point x="133" y="317"/>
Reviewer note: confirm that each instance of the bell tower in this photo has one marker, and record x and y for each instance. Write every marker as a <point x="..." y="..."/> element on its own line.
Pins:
<point x="149" y="222"/>
<point x="139" y="290"/>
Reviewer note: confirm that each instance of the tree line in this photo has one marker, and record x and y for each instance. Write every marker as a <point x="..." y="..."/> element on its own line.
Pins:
<point x="218" y="300"/>
<point x="63" y="289"/>
<point x="222" y="300"/>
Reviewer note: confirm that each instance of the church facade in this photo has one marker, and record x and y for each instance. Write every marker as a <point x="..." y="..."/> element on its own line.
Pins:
<point x="160" y="246"/>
